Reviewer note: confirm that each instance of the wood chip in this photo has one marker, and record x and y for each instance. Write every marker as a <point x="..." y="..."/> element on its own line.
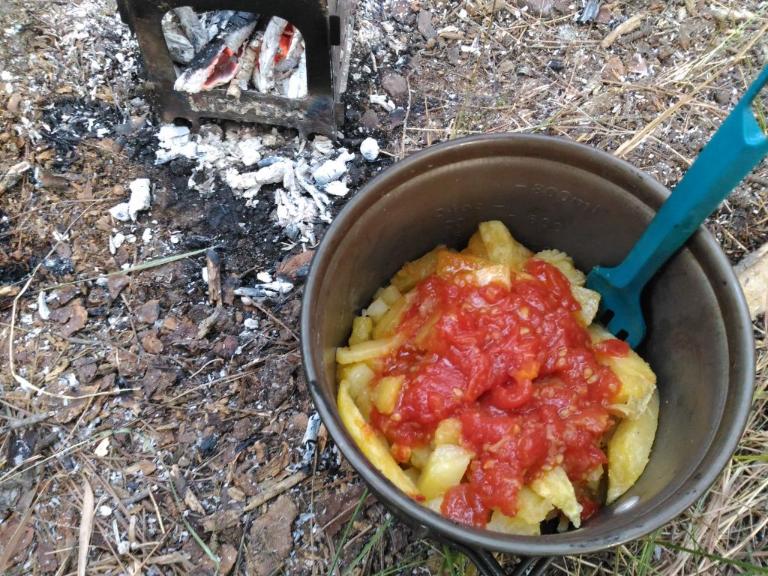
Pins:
<point x="15" y="536"/>
<point x="213" y="266"/>
<point x="191" y="500"/>
<point x="735" y="14"/>
<point x="624" y="28"/>
<point x="116" y="285"/>
<point x="172" y="558"/>
<point x="752" y="272"/>
<point x="275" y="490"/>
<point x="146" y="467"/>
<point x="103" y="448"/>
<point x="86" y="528"/>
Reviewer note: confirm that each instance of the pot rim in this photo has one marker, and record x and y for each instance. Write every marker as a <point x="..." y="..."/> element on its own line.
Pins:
<point x="710" y="466"/>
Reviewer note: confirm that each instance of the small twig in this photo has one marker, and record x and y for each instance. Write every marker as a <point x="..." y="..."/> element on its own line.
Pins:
<point x="405" y="120"/>
<point x="275" y="319"/>
<point x="137" y="268"/>
<point x="16" y="423"/>
<point x="157" y="512"/>
<point x="200" y="542"/>
<point x="15" y="472"/>
<point x="213" y="265"/>
<point x="624" y="28"/>
<point x="138" y="497"/>
<point x="276" y="490"/>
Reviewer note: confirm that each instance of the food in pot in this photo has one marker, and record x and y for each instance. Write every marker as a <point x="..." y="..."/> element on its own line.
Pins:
<point x="478" y="384"/>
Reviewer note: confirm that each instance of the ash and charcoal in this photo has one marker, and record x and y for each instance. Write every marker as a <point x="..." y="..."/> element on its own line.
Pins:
<point x="300" y="178"/>
<point x="238" y="51"/>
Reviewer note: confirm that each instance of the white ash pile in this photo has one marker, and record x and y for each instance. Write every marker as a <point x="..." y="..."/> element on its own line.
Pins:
<point x="301" y="177"/>
<point x="238" y="49"/>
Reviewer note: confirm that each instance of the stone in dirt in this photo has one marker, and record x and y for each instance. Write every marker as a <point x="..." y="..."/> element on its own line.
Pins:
<point x="141" y="198"/>
<point x="395" y="85"/>
<point x="148" y="312"/>
<point x="538" y="7"/>
<point x="228" y="555"/>
<point x="369" y="148"/>
<point x="116" y="284"/>
<point x="151" y="343"/>
<point x="73" y="316"/>
<point x="424" y="23"/>
<point x="13" y="175"/>
<point x="370" y="120"/>
<point x="270" y="537"/>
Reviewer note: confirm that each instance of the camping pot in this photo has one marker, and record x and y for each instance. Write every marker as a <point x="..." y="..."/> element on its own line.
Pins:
<point x="551" y="193"/>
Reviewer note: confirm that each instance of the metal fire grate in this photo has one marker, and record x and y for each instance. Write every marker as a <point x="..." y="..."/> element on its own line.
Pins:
<point x="326" y="27"/>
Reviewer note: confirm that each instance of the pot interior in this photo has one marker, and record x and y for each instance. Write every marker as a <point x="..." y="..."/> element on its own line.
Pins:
<point x="551" y="194"/>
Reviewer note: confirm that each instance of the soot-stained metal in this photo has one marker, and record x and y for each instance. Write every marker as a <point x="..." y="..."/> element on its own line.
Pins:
<point x="326" y="27"/>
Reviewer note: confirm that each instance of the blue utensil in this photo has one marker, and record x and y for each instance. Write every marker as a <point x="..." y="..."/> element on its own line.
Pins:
<point x="735" y="149"/>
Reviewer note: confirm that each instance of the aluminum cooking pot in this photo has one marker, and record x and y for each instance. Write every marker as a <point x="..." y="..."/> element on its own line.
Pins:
<point x="551" y="193"/>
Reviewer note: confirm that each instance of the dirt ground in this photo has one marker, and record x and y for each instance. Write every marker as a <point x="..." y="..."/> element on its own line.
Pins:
<point x="145" y="430"/>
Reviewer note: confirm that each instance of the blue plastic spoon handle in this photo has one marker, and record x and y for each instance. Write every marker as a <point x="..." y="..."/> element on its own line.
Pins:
<point x="735" y="149"/>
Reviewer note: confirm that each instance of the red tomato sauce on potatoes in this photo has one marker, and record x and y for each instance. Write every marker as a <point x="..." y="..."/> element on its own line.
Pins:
<point x="517" y="368"/>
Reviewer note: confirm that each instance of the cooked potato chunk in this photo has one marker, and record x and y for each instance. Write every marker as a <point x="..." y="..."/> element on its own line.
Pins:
<point x="366" y="350"/>
<point x="412" y="473"/>
<point x="445" y="468"/>
<point x="362" y="327"/>
<point x="476" y="247"/>
<point x="498" y="274"/>
<point x="448" y="432"/>
<point x="390" y="294"/>
<point x="531" y="507"/>
<point x="564" y="263"/>
<point x="501" y="247"/>
<point x="387" y="392"/>
<point x="512" y="525"/>
<point x="589" y="300"/>
<point x="434" y="504"/>
<point x="358" y="375"/>
<point x="630" y="447"/>
<point x="555" y="487"/>
<point x="371" y="443"/>
<point x="414" y="272"/>
<point x="637" y="379"/>
<point x="389" y="322"/>
<point x="377" y="309"/>
<point x="594" y="477"/>
<point x="420" y="456"/>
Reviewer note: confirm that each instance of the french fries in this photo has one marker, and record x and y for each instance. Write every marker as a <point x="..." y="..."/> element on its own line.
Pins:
<point x="387" y="393"/>
<point x="637" y="379"/>
<point x="445" y="468"/>
<point x="555" y="487"/>
<point x="629" y="449"/>
<point x="372" y="383"/>
<point x="367" y="350"/>
<point x="501" y="247"/>
<point x="564" y="263"/>
<point x="414" y="272"/>
<point x="372" y="444"/>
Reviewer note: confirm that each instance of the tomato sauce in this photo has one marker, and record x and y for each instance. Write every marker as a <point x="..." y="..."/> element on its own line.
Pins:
<point x="516" y="367"/>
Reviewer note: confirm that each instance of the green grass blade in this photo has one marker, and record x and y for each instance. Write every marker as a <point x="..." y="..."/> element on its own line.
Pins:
<point x="345" y="534"/>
